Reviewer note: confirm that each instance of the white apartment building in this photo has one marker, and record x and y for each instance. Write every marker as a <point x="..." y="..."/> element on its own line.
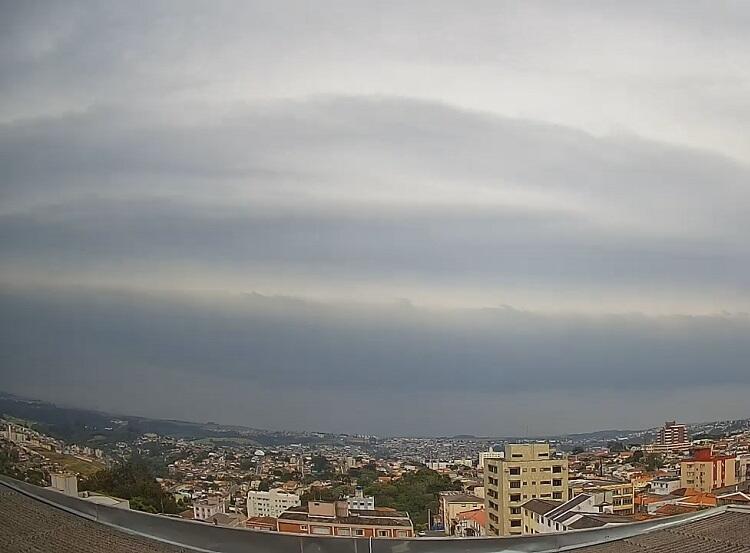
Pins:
<point x="360" y="501"/>
<point x="206" y="508"/>
<point x="271" y="503"/>
<point x="483" y="455"/>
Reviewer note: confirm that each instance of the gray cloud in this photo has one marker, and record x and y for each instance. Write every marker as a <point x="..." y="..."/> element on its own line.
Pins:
<point x="95" y="342"/>
<point x="586" y="164"/>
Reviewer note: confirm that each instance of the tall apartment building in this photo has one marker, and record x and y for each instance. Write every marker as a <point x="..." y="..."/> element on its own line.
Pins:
<point x="528" y="471"/>
<point x="671" y="436"/>
<point x="705" y="471"/>
<point x="271" y="503"/>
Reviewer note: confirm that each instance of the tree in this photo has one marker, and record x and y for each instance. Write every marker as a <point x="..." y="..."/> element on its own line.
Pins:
<point x="134" y="481"/>
<point x="636" y="456"/>
<point x="320" y="464"/>
<point x="615" y="447"/>
<point x="577" y="450"/>
<point x="415" y="493"/>
<point x="653" y="461"/>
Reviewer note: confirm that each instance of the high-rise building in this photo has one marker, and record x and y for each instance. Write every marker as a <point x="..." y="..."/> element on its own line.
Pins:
<point x="528" y="471"/>
<point x="705" y="471"/>
<point x="671" y="436"/>
<point x="271" y="503"/>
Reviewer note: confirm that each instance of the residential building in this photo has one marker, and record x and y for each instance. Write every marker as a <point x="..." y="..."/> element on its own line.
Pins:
<point x="671" y="437"/>
<point x="470" y="524"/>
<point x="587" y="510"/>
<point x="623" y="493"/>
<point x="451" y="504"/>
<point x="271" y="503"/>
<point x="527" y="471"/>
<point x="491" y="454"/>
<point x="665" y="485"/>
<point x="336" y="519"/>
<point x="204" y="509"/>
<point x="706" y="471"/>
<point x="360" y="501"/>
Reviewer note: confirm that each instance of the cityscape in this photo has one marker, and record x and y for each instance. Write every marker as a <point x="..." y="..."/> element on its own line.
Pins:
<point x="376" y="487"/>
<point x="365" y="276"/>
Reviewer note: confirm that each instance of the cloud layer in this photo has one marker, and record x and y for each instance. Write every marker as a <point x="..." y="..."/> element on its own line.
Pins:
<point x="406" y="173"/>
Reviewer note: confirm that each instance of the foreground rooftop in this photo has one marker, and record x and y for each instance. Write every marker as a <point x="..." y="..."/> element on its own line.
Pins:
<point x="37" y="520"/>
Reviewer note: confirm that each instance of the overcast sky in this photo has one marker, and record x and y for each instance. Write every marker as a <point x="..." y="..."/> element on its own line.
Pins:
<point x="490" y="218"/>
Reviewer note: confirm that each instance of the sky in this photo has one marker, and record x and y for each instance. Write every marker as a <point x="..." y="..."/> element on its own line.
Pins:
<point x="434" y="218"/>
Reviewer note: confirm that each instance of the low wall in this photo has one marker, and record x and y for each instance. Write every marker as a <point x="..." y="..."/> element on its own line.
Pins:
<point x="204" y="537"/>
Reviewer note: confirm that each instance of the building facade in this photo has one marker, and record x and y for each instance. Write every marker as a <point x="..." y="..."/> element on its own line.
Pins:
<point x="271" y="503"/>
<point x="451" y="504"/>
<point x="203" y="509"/>
<point x="705" y="471"/>
<point x="360" y="501"/>
<point x="670" y="437"/>
<point x="322" y="518"/>
<point x="527" y="471"/>
<point x="622" y="493"/>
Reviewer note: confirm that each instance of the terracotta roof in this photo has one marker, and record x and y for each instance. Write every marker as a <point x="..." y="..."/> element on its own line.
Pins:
<point x="477" y="515"/>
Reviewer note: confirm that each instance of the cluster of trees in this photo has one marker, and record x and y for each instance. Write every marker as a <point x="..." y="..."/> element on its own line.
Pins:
<point x="10" y="466"/>
<point x="133" y="480"/>
<point x="415" y="493"/>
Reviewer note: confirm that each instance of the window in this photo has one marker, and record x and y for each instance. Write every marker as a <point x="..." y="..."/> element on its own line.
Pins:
<point x="545" y="482"/>
<point x="556" y="495"/>
<point x="544" y="455"/>
<point x="303" y="526"/>
<point x="557" y="468"/>
<point x="515" y="510"/>
<point x="515" y="523"/>
<point x="402" y="533"/>
<point x="384" y="533"/>
<point x="515" y="497"/>
<point x="557" y="482"/>
<point x="321" y="530"/>
<point x="515" y="471"/>
<point x="515" y="484"/>
<point x="517" y="455"/>
<point x="359" y="532"/>
<point x="344" y="532"/>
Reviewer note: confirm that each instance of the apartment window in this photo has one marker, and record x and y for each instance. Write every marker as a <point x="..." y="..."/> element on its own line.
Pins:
<point x="321" y="530"/>
<point x="359" y="532"/>
<point x="493" y="505"/>
<point x="557" y="468"/>
<point x="556" y="495"/>
<point x="515" y="510"/>
<point x="544" y="455"/>
<point x="514" y="471"/>
<point x="546" y="495"/>
<point x="515" y="484"/>
<point x="515" y="497"/>
<point x="384" y="533"/>
<point x="515" y="523"/>
<point x="344" y="532"/>
<point x="557" y="482"/>
<point x="545" y="469"/>
<point x="402" y="533"/>
<point x="517" y="455"/>
<point x="303" y="527"/>
<point x="545" y="482"/>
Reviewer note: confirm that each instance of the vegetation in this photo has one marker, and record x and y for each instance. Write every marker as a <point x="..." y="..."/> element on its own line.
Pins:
<point x="132" y="480"/>
<point x="9" y="466"/>
<point x="415" y="493"/>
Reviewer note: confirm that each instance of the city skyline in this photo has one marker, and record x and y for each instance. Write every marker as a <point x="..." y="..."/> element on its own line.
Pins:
<point x="378" y="218"/>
